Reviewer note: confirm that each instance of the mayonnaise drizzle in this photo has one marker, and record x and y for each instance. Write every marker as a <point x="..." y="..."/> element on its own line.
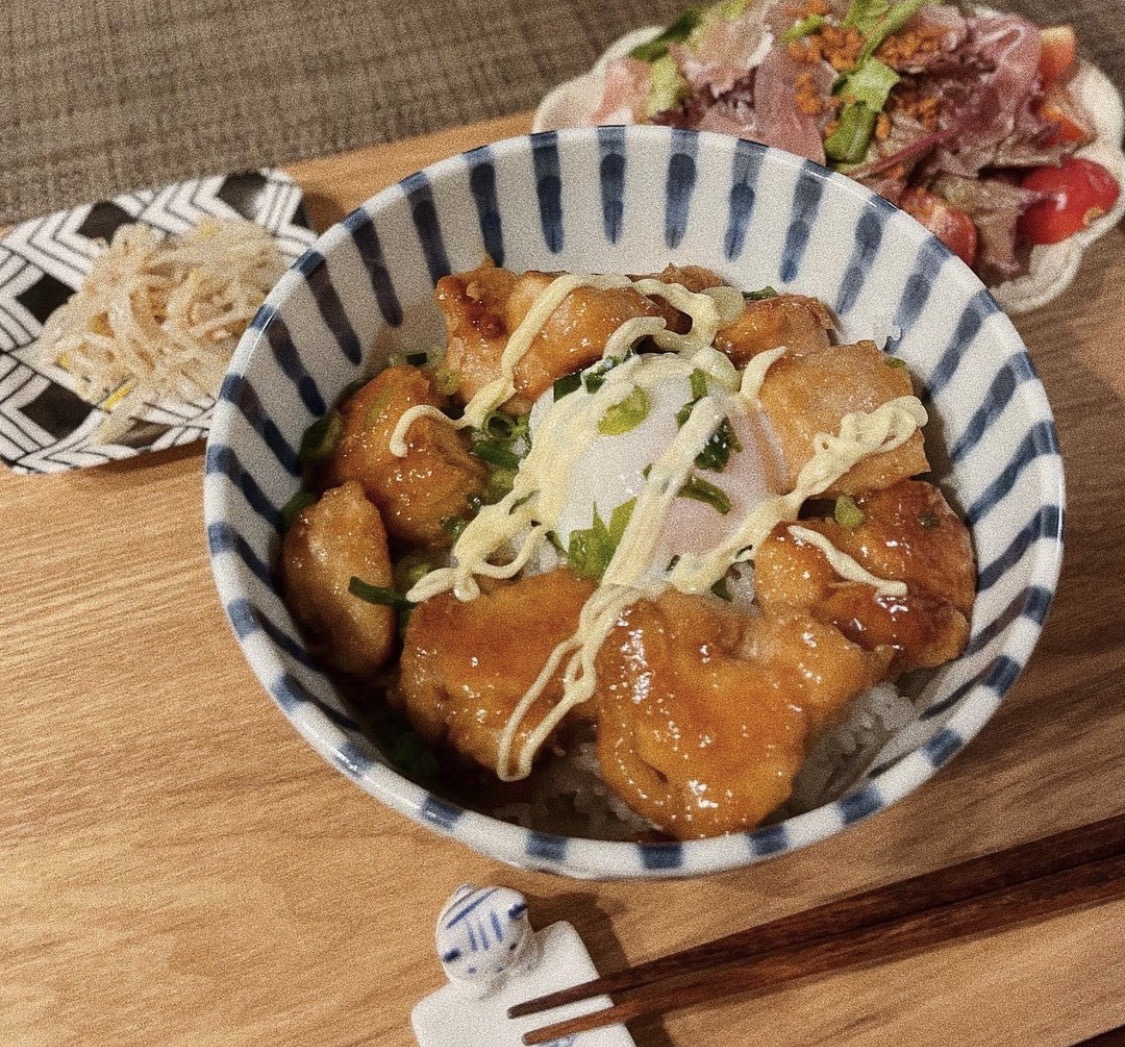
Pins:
<point x="845" y="566"/>
<point x="861" y="435"/>
<point x="621" y="585"/>
<point x="754" y="374"/>
<point x="533" y="506"/>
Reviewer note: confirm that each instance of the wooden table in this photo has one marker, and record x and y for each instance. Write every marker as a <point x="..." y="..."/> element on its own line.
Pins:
<point x="177" y="867"/>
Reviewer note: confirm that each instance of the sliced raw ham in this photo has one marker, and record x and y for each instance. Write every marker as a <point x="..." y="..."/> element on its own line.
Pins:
<point x="626" y="90"/>
<point x="721" y="51"/>
<point x="781" y="120"/>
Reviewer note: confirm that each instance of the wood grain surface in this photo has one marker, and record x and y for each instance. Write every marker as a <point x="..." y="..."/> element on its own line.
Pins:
<point x="177" y="867"/>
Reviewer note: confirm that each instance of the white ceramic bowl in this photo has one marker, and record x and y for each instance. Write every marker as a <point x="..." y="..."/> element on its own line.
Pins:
<point x="632" y="200"/>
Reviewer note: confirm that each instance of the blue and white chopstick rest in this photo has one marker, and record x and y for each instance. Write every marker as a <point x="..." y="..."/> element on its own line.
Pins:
<point x="493" y="959"/>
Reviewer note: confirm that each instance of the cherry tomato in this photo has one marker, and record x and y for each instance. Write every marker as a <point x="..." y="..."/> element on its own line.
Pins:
<point x="1079" y="192"/>
<point x="952" y="226"/>
<point x="1071" y="122"/>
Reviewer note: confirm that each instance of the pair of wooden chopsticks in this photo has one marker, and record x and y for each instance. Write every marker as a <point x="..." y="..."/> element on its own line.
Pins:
<point x="995" y="891"/>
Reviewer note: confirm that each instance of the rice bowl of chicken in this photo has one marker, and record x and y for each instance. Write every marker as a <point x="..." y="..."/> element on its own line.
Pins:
<point x="362" y="303"/>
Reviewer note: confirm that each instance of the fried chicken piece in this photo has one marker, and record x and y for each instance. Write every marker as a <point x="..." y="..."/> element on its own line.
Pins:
<point x="706" y="715"/>
<point x="465" y="666"/>
<point x="695" y="278"/>
<point x="908" y="534"/>
<point x="794" y="320"/>
<point x="801" y="324"/>
<point x="472" y="305"/>
<point x="432" y="483"/>
<point x="482" y="308"/>
<point x="811" y="393"/>
<point x="339" y="537"/>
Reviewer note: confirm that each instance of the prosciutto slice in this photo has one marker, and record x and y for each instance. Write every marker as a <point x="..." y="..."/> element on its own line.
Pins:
<point x="986" y="94"/>
<point x="781" y="120"/>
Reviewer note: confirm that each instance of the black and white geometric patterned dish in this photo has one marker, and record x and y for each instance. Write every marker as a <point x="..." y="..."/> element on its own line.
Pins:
<point x="44" y="426"/>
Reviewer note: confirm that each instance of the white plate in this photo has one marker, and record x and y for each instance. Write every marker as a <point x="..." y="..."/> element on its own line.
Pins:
<point x="1052" y="266"/>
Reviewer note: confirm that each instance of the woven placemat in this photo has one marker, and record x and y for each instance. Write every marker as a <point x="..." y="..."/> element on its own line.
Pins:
<point x="98" y="97"/>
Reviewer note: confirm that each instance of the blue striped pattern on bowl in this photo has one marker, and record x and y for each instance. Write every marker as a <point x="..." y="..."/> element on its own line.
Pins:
<point x="616" y="199"/>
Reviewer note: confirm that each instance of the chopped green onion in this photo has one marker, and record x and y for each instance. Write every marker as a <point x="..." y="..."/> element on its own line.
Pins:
<point x="375" y="411"/>
<point x="667" y="86"/>
<point x="377" y="594"/>
<point x="592" y="548"/>
<point x="702" y="491"/>
<point x="500" y="482"/>
<point x="757" y="296"/>
<point x="410" y="570"/>
<point x="679" y="30"/>
<point x="568" y="383"/>
<point x="446" y="381"/>
<point x="698" y="391"/>
<point x="878" y="19"/>
<point x="894" y="361"/>
<point x="417" y="359"/>
<point x="805" y="27"/>
<point x="454" y="525"/>
<point x="625" y="416"/>
<point x="350" y="390"/>
<point x="520" y="502"/>
<point x="322" y="437"/>
<point x="495" y="454"/>
<point x="499" y="425"/>
<point x="293" y="508"/>
<point x="716" y="452"/>
<point x="721" y="590"/>
<point x="594" y="377"/>
<point x="619" y="520"/>
<point x="731" y="9"/>
<point x="847" y="513"/>
<point x="928" y="521"/>
<point x="403" y="748"/>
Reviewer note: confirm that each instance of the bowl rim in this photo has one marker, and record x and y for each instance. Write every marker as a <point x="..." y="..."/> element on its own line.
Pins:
<point x="609" y="859"/>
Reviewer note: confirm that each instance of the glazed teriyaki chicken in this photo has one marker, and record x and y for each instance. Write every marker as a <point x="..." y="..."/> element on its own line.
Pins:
<point x="653" y="516"/>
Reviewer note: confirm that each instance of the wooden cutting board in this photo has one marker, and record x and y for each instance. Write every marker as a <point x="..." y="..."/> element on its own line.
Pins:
<point x="178" y="868"/>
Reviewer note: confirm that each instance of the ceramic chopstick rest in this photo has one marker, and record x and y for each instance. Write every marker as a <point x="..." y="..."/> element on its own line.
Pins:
<point x="493" y="959"/>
